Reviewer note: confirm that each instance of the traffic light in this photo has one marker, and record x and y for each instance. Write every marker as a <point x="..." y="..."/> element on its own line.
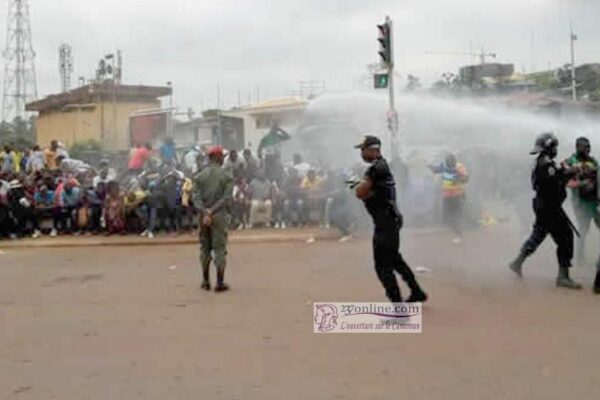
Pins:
<point x="381" y="81"/>
<point x="385" y="43"/>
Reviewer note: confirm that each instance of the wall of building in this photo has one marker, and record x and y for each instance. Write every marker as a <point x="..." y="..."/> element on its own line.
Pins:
<point x="77" y="125"/>
<point x="69" y="126"/>
<point x="256" y="126"/>
<point x="119" y="139"/>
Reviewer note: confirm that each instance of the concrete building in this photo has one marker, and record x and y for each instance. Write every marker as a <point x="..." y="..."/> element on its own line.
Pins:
<point x="97" y="112"/>
<point x="243" y="127"/>
<point x="286" y="112"/>
<point x="211" y="128"/>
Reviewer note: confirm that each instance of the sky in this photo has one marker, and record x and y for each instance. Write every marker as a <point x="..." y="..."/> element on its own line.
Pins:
<point x="249" y="49"/>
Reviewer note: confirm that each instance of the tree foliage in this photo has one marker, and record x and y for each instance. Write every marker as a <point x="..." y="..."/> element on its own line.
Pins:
<point x="82" y="150"/>
<point x="20" y="133"/>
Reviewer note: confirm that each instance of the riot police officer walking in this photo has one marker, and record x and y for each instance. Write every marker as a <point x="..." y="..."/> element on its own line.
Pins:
<point x="549" y="182"/>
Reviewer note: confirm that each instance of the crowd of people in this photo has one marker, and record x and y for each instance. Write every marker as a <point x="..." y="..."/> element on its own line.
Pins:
<point x="48" y="192"/>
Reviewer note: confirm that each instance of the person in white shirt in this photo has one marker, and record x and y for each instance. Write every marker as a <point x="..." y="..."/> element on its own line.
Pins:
<point x="73" y="166"/>
<point x="105" y="174"/>
<point x="190" y="159"/>
<point x="62" y="151"/>
<point x="234" y="164"/>
<point x="300" y="166"/>
<point x="36" y="161"/>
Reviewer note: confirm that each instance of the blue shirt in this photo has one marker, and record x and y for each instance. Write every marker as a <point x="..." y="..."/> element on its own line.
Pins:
<point x="167" y="152"/>
<point x="44" y="200"/>
<point x="70" y="199"/>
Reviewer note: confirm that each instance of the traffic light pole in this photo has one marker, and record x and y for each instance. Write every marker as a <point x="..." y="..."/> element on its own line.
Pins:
<point x="386" y="52"/>
<point x="392" y="115"/>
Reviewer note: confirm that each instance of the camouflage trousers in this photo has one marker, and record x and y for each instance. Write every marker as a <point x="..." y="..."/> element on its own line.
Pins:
<point x="213" y="242"/>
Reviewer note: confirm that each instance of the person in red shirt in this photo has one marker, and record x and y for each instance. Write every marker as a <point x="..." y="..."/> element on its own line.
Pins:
<point x="139" y="157"/>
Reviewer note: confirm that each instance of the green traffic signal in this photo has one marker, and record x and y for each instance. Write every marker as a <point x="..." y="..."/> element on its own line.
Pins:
<point x="381" y="81"/>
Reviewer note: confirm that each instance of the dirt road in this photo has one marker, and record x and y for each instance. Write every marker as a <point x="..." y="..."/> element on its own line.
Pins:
<point x="126" y="323"/>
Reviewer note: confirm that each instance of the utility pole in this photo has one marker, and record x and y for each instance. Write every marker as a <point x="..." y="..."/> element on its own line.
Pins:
<point x="386" y="52"/>
<point x="170" y="125"/>
<point x="20" y="85"/>
<point x="573" y="83"/>
<point x="219" y="122"/>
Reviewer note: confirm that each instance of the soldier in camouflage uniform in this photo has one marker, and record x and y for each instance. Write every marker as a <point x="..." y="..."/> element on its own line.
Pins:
<point x="212" y="192"/>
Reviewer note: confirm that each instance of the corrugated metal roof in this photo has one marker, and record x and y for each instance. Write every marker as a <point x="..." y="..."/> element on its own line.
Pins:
<point x="96" y="92"/>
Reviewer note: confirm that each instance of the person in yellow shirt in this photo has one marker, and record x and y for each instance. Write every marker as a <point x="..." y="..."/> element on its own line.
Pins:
<point x="51" y="154"/>
<point x="454" y="180"/>
<point x="8" y="160"/>
<point x="313" y="186"/>
<point x="134" y="207"/>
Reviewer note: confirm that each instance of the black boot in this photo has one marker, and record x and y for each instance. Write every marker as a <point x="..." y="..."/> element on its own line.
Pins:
<point x="417" y="296"/>
<point x="517" y="265"/>
<point x="221" y="285"/>
<point x="394" y="295"/>
<point x="597" y="283"/>
<point x="564" y="280"/>
<point x="205" y="277"/>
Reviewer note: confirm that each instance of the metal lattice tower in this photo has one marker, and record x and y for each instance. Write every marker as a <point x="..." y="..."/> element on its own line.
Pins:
<point x="19" y="69"/>
<point x="65" y="66"/>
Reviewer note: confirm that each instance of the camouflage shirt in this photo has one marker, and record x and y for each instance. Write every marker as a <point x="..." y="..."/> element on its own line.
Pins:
<point x="212" y="189"/>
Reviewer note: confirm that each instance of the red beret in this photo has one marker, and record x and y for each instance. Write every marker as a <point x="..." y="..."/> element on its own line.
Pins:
<point x="215" y="151"/>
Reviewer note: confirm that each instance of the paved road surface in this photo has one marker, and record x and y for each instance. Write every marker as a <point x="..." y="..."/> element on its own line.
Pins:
<point x="123" y="323"/>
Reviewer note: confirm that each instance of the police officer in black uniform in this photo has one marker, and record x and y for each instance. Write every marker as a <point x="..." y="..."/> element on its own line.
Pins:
<point x="378" y="191"/>
<point x="549" y="182"/>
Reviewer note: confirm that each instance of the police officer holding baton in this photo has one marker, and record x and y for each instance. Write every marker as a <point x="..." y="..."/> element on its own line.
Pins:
<point x="549" y="182"/>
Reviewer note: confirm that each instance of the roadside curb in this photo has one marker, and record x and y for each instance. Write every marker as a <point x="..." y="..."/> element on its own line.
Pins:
<point x="122" y="241"/>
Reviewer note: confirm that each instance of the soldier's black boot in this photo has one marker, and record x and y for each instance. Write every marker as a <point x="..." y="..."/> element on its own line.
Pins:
<point x="221" y="285"/>
<point x="205" y="277"/>
<point x="517" y="265"/>
<point x="565" y="281"/>
<point x="597" y="283"/>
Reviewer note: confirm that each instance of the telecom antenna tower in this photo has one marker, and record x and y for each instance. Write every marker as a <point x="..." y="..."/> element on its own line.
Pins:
<point x="20" y="86"/>
<point x="65" y="66"/>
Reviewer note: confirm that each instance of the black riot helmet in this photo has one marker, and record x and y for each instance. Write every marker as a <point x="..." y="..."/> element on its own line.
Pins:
<point x="544" y="143"/>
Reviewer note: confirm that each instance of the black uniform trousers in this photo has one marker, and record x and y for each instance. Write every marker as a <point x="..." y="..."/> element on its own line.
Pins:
<point x="386" y="244"/>
<point x="553" y="222"/>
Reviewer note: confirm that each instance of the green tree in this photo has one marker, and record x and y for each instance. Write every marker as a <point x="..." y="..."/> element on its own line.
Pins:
<point x="20" y="133"/>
